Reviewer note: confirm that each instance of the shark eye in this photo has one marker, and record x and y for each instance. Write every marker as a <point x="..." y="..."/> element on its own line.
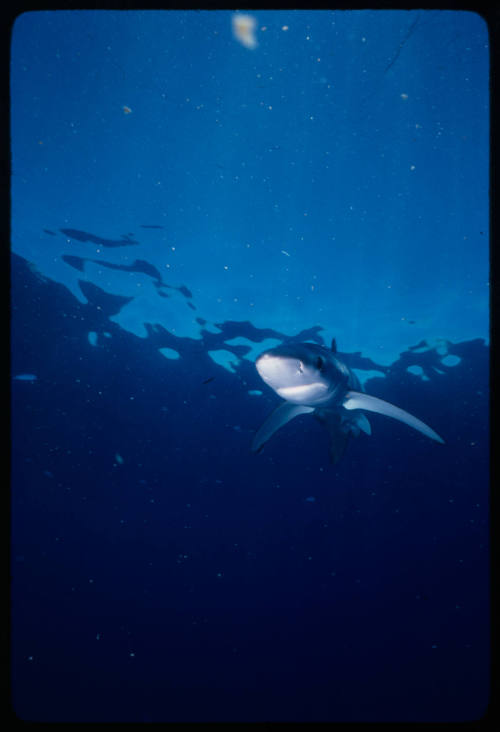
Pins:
<point x="319" y="363"/>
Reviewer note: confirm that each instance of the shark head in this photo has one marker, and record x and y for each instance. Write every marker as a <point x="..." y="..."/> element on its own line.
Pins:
<point x="302" y="373"/>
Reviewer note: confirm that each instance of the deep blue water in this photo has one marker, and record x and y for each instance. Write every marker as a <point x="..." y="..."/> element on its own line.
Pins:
<point x="160" y="570"/>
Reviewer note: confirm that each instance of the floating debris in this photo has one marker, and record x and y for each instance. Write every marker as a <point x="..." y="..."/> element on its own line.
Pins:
<point x="283" y="251"/>
<point x="244" y="30"/>
<point x="119" y="458"/>
<point x="126" y="110"/>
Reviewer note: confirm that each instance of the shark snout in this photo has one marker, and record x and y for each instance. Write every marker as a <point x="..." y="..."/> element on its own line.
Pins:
<point x="277" y="370"/>
<point x="268" y="367"/>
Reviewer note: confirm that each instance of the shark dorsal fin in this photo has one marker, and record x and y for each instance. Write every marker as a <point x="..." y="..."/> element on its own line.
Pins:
<point x="334" y="345"/>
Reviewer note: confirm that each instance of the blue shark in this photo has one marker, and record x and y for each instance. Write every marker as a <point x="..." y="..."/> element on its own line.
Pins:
<point x="313" y="380"/>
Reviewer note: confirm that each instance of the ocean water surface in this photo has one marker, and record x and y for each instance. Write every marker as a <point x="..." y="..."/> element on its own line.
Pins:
<point x="188" y="190"/>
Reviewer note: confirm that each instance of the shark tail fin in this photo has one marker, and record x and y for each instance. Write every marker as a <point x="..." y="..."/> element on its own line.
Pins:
<point x="337" y="433"/>
<point x="338" y="444"/>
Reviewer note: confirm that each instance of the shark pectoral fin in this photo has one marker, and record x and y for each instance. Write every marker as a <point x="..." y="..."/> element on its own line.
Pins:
<point x="281" y="415"/>
<point x="357" y="400"/>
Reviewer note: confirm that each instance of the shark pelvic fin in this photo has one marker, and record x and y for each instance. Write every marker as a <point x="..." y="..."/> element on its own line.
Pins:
<point x="281" y="415"/>
<point x="363" y="423"/>
<point x="357" y="400"/>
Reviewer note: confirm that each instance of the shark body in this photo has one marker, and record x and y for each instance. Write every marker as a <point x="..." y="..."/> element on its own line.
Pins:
<point x="314" y="380"/>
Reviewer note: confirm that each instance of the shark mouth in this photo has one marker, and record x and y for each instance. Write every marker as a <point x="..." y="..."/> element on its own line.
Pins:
<point x="302" y="392"/>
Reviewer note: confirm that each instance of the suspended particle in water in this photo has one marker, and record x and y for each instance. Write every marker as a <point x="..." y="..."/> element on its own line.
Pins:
<point x="244" y="30"/>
